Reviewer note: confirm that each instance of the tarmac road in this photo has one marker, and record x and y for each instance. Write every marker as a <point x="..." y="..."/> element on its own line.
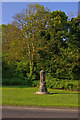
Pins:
<point x="32" y="112"/>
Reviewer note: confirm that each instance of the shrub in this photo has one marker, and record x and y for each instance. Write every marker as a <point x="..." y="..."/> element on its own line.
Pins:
<point x="36" y="83"/>
<point x="50" y="82"/>
<point x="15" y="81"/>
<point x="61" y="84"/>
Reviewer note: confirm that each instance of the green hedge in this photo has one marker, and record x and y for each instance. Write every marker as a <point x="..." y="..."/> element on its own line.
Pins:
<point x="16" y="81"/>
<point x="62" y="84"/>
<point x="50" y="82"/>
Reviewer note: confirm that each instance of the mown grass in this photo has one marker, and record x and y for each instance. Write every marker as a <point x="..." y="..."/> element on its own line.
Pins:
<point x="24" y="96"/>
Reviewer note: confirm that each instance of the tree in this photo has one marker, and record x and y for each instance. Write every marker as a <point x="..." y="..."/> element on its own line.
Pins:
<point x="29" y="25"/>
<point x="58" y="43"/>
<point x="74" y="47"/>
<point x="0" y="41"/>
<point x="11" y="42"/>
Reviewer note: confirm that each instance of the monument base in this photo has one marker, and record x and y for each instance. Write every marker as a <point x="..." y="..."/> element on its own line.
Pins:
<point x="42" y="93"/>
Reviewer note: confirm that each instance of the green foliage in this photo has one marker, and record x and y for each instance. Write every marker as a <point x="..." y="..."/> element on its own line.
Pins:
<point x="36" y="83"/>
<point x="13" y="81"/>
<point x="16" y="81"/>
<point x="40" y="39"/>
<point x="62" y="84"/>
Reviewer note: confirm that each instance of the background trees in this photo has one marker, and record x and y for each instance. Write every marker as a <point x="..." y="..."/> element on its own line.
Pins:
<point x="40" y="39"/>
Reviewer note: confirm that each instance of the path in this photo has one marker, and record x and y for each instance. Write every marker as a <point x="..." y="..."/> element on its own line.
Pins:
<point x="28" y="112"/>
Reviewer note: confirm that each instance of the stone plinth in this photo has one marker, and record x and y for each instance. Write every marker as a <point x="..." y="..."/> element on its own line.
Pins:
<point x="42" y="87"/>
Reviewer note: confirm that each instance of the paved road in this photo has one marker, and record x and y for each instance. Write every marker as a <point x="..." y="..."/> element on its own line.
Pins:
<point x="26" y="112"/>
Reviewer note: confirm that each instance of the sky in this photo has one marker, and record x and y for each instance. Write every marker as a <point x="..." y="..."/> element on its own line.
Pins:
<point x="10" y="9"/>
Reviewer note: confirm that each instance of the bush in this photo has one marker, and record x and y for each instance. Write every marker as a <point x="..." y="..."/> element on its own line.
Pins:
<point x="61" y="84"/>
<point x="50" y="82"/>
<point x="15" y="81"/>
<point x="18" y="81"/>
<point x="35" y="83"/>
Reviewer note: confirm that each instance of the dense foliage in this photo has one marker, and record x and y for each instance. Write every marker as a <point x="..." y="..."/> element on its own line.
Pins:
<point x="40" y="39"/>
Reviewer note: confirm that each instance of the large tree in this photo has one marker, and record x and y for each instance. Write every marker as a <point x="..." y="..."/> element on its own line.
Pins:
<point x="0" y="41"/>
<point x="74" y="47"/>
<point x="58" y="43"/>
<point x="26" y="33"/>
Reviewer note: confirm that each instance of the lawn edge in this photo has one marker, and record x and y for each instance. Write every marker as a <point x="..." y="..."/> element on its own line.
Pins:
<point x="40" y="107"/>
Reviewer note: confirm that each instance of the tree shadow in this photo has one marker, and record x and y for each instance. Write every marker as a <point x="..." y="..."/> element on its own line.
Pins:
<point x="64" y="93"/>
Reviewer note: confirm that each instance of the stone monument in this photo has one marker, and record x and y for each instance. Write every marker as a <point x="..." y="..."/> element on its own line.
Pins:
<point x="42" y="87"/>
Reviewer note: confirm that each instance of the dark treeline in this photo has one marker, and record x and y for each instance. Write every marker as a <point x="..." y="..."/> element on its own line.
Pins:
<point x="40" y="39"/>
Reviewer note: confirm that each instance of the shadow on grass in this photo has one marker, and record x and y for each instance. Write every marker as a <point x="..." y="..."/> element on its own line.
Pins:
<point x="63" y="93"/>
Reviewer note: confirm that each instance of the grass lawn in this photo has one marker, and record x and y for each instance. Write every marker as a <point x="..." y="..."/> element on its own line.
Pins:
<point x="24" y="96"/>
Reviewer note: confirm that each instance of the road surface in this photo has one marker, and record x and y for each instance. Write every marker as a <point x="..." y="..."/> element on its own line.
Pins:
<point x="28" y="112"/>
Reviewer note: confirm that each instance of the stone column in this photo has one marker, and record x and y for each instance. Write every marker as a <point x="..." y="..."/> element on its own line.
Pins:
<point x="42" y="88"/>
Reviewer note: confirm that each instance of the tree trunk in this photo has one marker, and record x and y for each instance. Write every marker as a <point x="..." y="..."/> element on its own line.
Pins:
<point x="31" y="69"/>
<point x="31" y="58"/>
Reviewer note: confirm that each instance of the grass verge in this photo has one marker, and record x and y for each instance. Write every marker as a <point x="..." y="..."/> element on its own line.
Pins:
<point x="24" y="96"/>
